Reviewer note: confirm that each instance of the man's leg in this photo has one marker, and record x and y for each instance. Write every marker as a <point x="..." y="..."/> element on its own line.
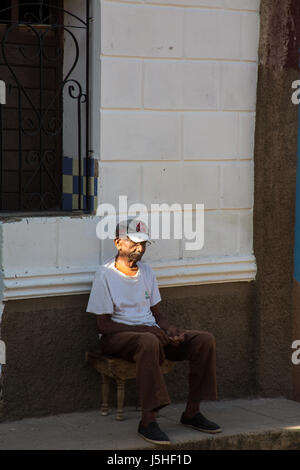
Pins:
<point x="147" y="352"/>
<point x="199" y="349"/>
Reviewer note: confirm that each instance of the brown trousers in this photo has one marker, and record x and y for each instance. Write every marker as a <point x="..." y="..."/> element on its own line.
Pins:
<point x="148" y="353"/>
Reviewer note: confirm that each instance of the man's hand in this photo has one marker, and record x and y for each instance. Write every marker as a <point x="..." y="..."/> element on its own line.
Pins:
<point x="159" y="333"/>
<point x="175" y="335"/>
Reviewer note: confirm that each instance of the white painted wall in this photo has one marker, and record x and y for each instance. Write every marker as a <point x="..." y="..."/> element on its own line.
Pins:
<point x="48" y="256"/>
<point x="178" y="97"/>
<point x="178" y="93"/>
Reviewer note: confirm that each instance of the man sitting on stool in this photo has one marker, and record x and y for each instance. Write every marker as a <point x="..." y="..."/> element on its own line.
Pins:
<point x="125" y="298"/>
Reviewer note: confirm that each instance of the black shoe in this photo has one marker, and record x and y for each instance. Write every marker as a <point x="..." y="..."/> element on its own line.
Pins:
<point x="200" y="423"/>
<point x="153" y="433"/>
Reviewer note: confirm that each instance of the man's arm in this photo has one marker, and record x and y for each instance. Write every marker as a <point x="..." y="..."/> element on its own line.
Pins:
<point x="160" y="317"/>
<point x="107" y="326"/>
<point x="176" y="335"/>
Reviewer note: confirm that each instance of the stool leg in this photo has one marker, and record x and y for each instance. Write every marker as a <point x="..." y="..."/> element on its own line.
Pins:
<point x="120" y="399"/>
<point x="105" y="393"/>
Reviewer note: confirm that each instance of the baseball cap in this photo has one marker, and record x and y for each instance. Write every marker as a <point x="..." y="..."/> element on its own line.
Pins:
<point x="134" y="229"/>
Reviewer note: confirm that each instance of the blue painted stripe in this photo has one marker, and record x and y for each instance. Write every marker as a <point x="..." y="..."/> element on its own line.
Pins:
<point x="91" y="203"/>
<point x="75" y="184"/>
<point x="67" y="202"/>
<point x="67" y="165"/>
<point x="297" y="225"/>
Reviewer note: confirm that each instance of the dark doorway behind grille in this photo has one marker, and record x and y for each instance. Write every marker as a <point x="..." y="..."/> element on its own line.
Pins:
<point x="6" y="14"/>
<point x="32" y="36"/>
<point x="35" y="14"/>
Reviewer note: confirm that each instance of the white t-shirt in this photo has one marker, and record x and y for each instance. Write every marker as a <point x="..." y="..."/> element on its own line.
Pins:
<point x="127" y="298"/>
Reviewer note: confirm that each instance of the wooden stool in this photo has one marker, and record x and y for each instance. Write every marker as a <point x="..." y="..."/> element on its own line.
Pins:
<point x="120" y="370"/>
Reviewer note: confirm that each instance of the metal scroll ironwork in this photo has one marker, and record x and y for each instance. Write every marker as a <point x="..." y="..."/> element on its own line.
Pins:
<point x="46" y="119"/>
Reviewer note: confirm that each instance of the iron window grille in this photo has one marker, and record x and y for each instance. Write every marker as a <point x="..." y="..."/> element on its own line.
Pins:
<point x="46" y="115"/>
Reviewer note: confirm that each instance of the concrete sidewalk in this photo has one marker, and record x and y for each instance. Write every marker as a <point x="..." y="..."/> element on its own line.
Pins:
<point x="247" y="424"/>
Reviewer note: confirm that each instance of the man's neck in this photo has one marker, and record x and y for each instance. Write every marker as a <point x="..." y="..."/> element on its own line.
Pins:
<point x="126" y="266"/>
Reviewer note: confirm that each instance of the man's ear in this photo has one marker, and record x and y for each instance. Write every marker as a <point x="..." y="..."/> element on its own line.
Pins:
<point x="117" y="243"/>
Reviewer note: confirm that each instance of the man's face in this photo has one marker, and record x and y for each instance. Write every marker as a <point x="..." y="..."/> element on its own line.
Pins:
<point x="129" y="249"/>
